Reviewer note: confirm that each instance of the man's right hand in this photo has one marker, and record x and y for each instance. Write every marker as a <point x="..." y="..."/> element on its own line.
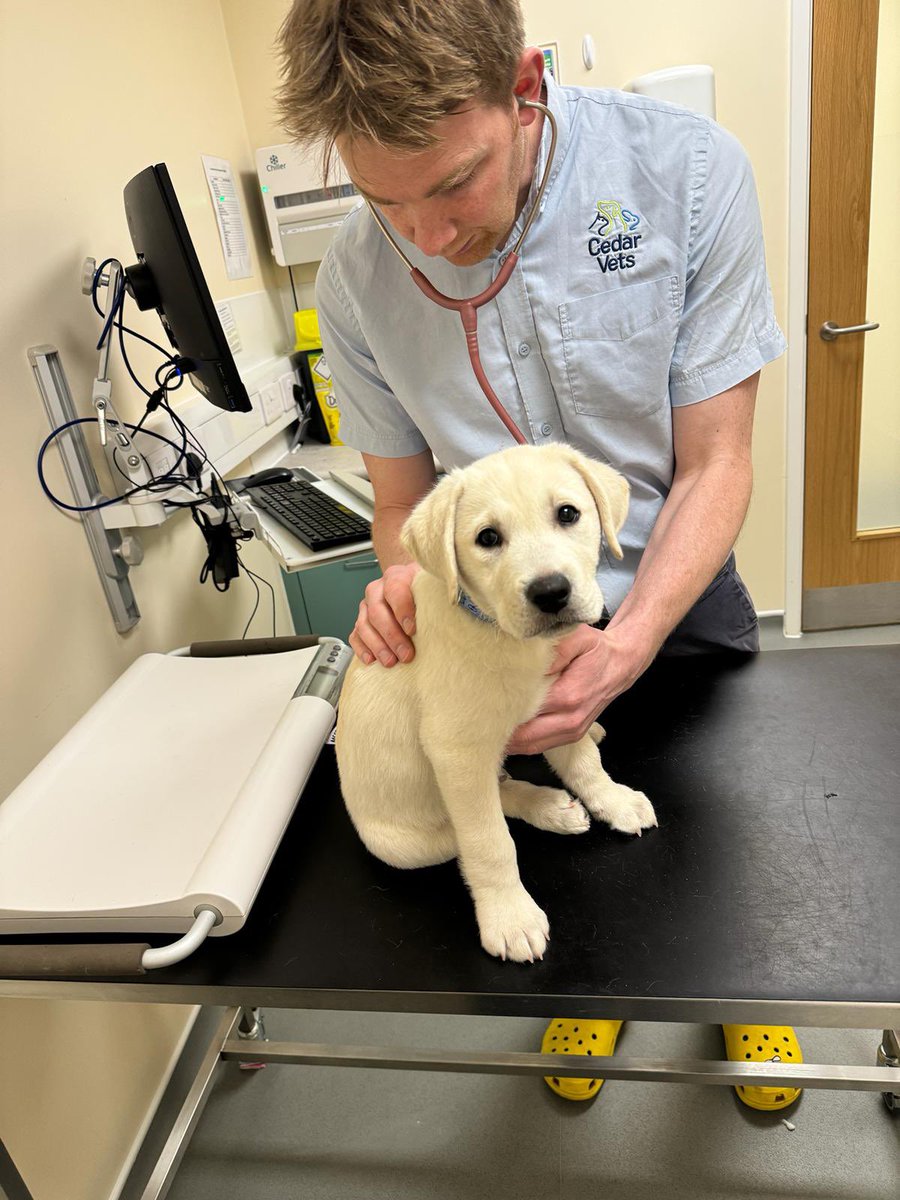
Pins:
<point x="387" y="618"/>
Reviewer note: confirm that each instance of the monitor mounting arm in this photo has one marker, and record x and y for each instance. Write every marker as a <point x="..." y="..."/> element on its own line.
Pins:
<point x="108" y="421"/>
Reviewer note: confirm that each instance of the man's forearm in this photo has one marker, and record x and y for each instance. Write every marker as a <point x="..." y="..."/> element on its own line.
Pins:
<point x="386" y="526"/>
<point x="693" y="536"/>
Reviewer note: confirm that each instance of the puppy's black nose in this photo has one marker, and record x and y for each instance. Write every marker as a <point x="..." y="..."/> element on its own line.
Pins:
<point x="550" y="593"/>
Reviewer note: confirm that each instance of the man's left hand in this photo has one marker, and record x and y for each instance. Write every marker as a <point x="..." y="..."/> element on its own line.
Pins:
<point x="592" y="667"/>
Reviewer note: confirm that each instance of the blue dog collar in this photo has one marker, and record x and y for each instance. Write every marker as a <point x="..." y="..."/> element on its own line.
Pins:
<point x="470" y="606"/>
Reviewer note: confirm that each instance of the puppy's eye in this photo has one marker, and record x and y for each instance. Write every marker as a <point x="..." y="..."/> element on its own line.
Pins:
<point x="568" y="514"/>
<point x="489" y="538"/>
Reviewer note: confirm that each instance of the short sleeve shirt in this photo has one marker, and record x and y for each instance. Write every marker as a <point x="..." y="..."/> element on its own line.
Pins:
<point x="641" y="287"/>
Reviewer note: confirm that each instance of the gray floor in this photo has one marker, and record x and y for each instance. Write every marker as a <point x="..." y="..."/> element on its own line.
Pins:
<point x="343" y="1134"/>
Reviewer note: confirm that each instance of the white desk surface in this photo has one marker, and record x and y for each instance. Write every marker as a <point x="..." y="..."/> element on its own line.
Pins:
<point x="321" y="460"/>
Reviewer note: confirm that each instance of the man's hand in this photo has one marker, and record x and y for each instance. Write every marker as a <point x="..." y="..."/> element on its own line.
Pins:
<point x="387" y="618"/>
<point x="592" y="667"/>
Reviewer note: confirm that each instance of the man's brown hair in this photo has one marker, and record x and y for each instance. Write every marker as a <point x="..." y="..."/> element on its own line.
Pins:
<point x="387" y="70"/>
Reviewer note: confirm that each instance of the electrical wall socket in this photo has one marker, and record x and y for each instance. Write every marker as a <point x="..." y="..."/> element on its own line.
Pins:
<point x="286" y="383"/>
<point x="160" y="457"/>
<point x="271" y="402"/>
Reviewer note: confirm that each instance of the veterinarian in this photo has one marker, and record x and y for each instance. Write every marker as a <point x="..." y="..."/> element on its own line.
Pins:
<point x="633" y="327"/>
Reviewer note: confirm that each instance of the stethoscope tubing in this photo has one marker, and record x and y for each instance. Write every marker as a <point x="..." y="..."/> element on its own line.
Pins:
<point x="468" y="307"/>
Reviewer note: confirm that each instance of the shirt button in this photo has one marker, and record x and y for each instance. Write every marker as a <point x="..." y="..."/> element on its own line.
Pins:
<point x="546" y="429"/>
<point x="524" y="349"/>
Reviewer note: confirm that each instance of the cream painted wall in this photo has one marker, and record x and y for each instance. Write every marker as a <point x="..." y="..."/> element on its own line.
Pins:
<point x="748" y="46"/>
<point x="71" y="142"/>
<point x="90" y="93"/>
<point x="251" y="33"/>
<point x="879" y="452"/>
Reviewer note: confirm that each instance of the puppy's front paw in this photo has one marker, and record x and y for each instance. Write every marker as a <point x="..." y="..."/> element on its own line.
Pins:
<point x="512" y="926"/>
<point x="625" y="809"/>
<point x="561" y="814"/>
<point x="555" y="810"/>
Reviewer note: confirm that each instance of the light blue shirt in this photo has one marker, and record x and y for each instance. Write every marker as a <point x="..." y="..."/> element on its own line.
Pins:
<point x="641" y="287"/>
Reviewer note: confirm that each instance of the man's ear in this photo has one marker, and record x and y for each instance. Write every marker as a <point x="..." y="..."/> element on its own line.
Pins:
<point x="528" y="81"/>
<point x="610" y="491"/>
<point x="429" y="531"/>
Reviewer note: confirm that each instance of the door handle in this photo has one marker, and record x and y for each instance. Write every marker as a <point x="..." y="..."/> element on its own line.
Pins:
<point x="829" y="331"/>
<point x="360" y="564"/>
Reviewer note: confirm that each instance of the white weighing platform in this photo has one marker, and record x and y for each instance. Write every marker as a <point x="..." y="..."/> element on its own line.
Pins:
<point x="170" y="795"/>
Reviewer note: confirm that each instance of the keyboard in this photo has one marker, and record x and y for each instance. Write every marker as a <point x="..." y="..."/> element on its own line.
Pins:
<point x="318" y="520"/>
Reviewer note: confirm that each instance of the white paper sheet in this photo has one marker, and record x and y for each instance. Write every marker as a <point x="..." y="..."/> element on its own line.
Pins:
<point x="226" y="205"/>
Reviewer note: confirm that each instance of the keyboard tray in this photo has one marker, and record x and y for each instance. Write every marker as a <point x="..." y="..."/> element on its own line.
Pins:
<point x="315" y="518"/>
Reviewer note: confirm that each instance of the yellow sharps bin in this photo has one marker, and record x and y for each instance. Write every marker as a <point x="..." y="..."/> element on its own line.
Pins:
<point x="309" y="342"/>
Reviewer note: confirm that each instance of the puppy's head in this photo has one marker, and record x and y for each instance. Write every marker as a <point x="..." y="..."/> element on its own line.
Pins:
<point x="520" y="532"/>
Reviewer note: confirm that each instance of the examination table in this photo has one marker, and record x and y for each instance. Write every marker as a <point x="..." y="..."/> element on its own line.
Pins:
<point x="768" y="894"/>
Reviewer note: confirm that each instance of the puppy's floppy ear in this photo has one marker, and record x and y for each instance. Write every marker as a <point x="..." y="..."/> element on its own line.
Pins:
<point x="428" y="533"/>
<point x="610" y="491"/>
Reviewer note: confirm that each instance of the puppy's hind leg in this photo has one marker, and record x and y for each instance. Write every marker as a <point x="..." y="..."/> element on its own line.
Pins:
<point x="544" y="807"/>
<point x="578" y="766"/>
<point x="408" y="847"/>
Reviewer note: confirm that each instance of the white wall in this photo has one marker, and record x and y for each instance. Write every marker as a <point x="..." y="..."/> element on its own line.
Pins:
<point x="91" y="93"/>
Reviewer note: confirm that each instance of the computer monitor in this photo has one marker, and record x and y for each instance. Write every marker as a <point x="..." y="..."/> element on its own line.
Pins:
<point x="167" y="277"/>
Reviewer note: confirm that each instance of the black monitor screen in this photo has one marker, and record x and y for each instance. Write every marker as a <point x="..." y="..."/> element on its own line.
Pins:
<point x="167" y="277"/>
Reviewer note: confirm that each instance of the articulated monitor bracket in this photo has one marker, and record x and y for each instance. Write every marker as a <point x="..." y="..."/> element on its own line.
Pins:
<point x="103" y="521"/>
<point x="121" y="455"/>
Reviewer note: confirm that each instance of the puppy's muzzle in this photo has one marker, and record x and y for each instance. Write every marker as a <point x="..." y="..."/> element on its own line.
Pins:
<point x="550" y="593"/>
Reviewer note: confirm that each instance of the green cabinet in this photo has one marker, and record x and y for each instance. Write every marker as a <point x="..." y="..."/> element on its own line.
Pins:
<point x="325" y="600"/>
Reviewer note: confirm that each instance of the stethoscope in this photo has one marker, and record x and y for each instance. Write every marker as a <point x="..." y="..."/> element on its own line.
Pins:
<point x="468" y="309"/>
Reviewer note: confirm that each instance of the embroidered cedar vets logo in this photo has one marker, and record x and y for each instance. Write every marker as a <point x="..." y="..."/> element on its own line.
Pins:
<point x="612" y="235"/>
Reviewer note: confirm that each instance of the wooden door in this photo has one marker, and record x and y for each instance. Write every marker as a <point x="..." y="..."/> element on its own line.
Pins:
<point x="851" y="559"/>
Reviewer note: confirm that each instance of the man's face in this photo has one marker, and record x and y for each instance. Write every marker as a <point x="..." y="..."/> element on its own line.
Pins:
<point x="459" y="198"/>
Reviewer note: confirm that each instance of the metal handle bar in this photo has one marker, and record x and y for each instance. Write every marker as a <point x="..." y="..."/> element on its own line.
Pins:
<point x="829" y="331"/>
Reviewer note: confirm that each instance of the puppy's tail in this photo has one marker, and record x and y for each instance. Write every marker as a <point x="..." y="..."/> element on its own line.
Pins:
<point x="596" y="733"/>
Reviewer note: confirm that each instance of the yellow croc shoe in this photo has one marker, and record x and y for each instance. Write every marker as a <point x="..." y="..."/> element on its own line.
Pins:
<point x="763" y="1043"/>
<point x="578" y="1037"/>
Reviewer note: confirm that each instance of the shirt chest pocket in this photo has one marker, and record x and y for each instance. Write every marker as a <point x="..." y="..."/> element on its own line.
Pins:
<point x="618" y="348"/>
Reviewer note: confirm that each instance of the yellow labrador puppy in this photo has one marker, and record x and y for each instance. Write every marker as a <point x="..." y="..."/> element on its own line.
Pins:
<point x="509" y="549"/>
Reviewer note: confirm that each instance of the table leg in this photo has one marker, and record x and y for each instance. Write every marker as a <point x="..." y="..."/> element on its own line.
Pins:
<point x="251" y="1028"/>
<point x="12" y="1185"/>
<point x="163" y="1149"/>
<point x="889" y="1056"/>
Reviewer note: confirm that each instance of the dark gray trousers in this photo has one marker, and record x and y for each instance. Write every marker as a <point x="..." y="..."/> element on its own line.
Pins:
<point x="722" y="619"/>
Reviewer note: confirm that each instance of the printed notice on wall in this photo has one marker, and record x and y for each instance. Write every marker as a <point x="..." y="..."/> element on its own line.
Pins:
<point x="229" y="326"/>
<point x="229" y="218"/>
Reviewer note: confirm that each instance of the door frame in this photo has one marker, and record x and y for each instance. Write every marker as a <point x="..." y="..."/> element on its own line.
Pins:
<point x="800" y="139"/>
<point x="798" y="280"/>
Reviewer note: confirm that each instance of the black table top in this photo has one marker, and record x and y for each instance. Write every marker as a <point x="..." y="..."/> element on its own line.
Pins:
<point x="773" y="875"/>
